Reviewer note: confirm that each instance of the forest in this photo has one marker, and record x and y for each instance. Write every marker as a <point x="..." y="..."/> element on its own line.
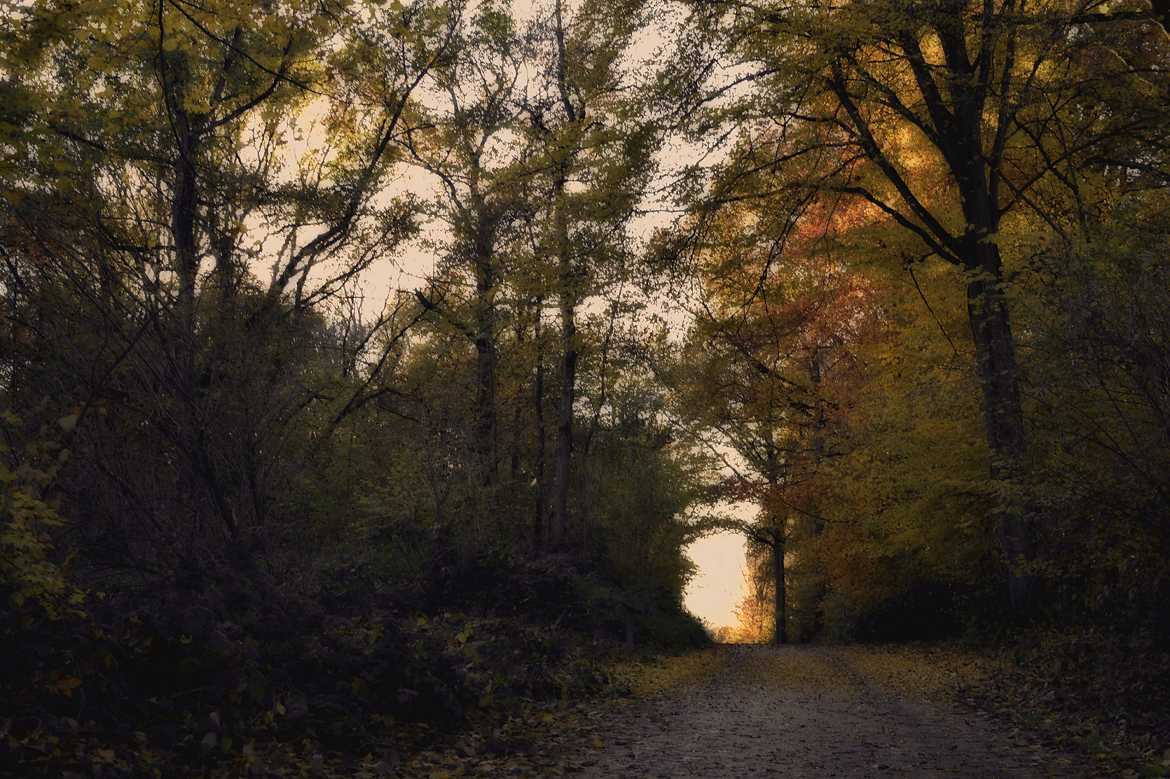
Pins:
<point x="367" y="367"/>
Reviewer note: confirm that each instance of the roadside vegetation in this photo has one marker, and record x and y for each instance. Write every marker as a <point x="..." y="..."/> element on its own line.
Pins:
<point x="367" y="366"/>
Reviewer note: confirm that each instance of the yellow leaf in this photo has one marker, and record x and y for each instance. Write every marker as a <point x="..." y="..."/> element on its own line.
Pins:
<point x="64" y="685"/>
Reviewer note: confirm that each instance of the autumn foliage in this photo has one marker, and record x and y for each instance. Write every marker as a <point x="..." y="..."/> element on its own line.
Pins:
<point x="366" y="368"/>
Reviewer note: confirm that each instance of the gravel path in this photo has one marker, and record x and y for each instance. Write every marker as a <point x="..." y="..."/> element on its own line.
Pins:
<point x="809" y="712"/>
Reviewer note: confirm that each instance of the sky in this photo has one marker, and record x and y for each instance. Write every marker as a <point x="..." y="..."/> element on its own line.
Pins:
<point x="718" y="587"/>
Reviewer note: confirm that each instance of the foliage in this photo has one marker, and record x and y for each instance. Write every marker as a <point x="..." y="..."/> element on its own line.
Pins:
<point x="33" y="581"/>
<point x="871" y="138"/>
<point x="267" y="502"/>
<point x="1085" y="691"/>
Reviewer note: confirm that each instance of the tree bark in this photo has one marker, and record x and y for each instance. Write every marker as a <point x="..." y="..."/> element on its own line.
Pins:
<point x="815" y="372"/>
<point x="779" y="611"/>
<point x="485" y="363"/>
<point x="1003" y="416"/>
<point x="995" y="353"/>
<point x="184" y="215"/>
<point x="956" y="121"/>
<point x="538" y="529"/>
<point x="183" y="207"/>
<point x="564" y="450"/>
<point x="775" y="537"/>
<point x="568" y="311"/>
<point x="816" y="369"/>
<point x="516" y="444"/>
<point x="568" y="303"/>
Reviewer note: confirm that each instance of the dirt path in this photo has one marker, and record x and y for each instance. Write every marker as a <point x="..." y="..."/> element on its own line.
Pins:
<point x="810" y="712"/>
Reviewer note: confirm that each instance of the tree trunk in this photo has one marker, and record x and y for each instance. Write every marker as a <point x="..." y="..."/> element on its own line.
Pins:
<point x="568" y="299"/>
<point x="990" y="321"/>
<point x="183" y="216"/>
<point x="485" y="400"/>
<point x="538" y="529"/>
<point x="780" y="634"/>
<point x="186" y="253"/>
<point x="774" y="537"/>
<point x="516" y="439"/>
<point x="815" y="374"/>
<point x="816" y="369"/>
<point x="998" y="372"/>
<point x="568" y="310"/>
<point x="485" y="367"/>
<point x="564" y="451"/>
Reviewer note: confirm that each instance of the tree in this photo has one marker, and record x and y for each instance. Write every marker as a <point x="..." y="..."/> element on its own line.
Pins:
<point x="147" y="185"/>
<point x="770" y="329"/>
<point x="977" y="90"/>
<point x="594" y="153"/>
<point x="469" y="145"/>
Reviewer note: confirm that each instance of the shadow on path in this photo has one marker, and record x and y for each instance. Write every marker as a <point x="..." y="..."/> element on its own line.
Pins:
<point x="810" y="711"/>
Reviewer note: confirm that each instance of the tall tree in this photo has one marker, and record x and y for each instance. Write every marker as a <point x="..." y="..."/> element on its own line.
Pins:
<point x="979" y="86"/>
<point x="469" y="142"/>
<point x="595" y="156"/>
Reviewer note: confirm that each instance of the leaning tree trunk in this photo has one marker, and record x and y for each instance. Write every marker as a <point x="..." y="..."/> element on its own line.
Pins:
<point x="995" y="353"/>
